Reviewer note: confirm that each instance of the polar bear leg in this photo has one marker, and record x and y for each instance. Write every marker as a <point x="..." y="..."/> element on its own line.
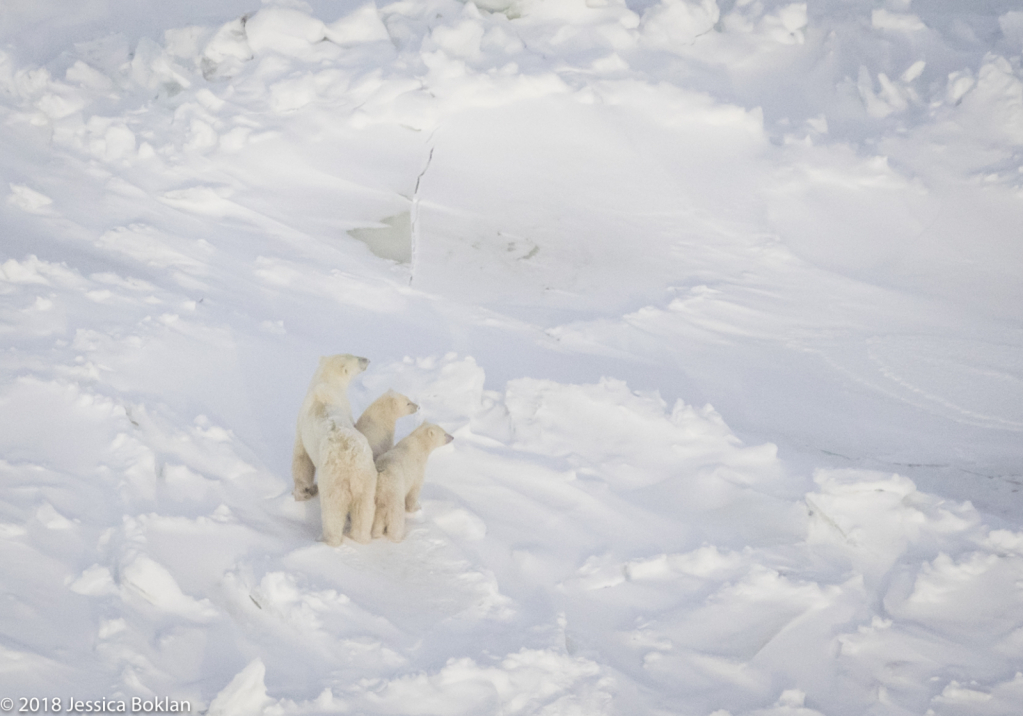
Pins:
<point x="335" y="491"/>
<point x="335" y="501"/>
<point x="396" y="521"/>
<point x="379" y="525"/>
<point x="302" y="470"/>
<point x="390" y="509"/>
<point x="380" y="502"/>
<point x="412" y="498"/>
<point x="364" y="488"/>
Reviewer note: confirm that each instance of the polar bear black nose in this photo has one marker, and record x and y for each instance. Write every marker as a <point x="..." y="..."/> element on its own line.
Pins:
<point x="363" y="363"/>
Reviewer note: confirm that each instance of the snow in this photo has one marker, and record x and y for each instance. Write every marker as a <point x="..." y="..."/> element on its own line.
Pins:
<point x="719" y="298"/>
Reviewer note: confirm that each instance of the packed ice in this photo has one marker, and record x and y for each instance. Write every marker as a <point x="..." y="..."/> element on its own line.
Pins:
<point x="720" y="299"/>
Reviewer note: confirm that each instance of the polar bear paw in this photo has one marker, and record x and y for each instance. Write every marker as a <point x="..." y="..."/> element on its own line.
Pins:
<point x="305" y="493"/>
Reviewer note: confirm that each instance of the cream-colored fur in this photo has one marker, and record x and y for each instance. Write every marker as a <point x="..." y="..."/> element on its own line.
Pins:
<point x="401" y="471"/>
<point x="377" y="421"/>
<point x="348" y="481"/>
<point x="327" y="397"/>
<point x="330" y="449"/>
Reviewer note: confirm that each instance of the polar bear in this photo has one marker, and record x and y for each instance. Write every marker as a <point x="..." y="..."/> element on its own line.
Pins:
<point x="377" y="421"/>
<point x="401" y="471"/>
<point x="328" y="446"/>
<point x="327" y="396"/>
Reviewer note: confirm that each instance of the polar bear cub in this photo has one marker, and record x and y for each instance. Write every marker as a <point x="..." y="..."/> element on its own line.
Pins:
<point x="377" y="421"/>
<point x="401" y="471"/>
<point x="329" y="448"/>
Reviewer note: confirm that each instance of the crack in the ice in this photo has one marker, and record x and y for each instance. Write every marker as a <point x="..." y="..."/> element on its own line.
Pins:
<point x="415" y="218"/>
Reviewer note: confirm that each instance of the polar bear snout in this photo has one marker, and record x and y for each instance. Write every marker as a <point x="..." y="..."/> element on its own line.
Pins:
<point x="448" y="438"/>
<point x="363" y="364"/>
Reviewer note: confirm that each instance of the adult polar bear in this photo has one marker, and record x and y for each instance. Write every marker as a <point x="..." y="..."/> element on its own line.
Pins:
<point x="328" y="446"/>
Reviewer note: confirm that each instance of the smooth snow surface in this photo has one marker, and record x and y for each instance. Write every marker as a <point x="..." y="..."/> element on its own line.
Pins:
<point x="566" y="229"/>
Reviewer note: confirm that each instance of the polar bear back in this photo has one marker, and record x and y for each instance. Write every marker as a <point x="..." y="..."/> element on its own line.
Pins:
<point x="320" y="421"/>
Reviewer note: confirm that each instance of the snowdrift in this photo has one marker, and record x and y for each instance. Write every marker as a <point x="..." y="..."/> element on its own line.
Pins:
<point x="566" y="229"/>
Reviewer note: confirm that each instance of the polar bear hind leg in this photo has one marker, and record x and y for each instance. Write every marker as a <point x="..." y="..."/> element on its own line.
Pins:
<point x="412" y="498"/>
<point x="347" y="482"/>
<point x="302" y="471"/>
<point x="364" y="488"/>
<point x="335" y="502"/>
<point x="390" y="509"/>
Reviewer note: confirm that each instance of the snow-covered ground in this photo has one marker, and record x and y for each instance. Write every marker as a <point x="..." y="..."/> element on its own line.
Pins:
<point x="721" y="300"/>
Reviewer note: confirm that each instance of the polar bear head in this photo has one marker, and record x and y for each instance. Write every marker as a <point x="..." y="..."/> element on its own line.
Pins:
<point x="431" y="436"/>
<point x="340" y="369"/>
<point x="397" y="405"/>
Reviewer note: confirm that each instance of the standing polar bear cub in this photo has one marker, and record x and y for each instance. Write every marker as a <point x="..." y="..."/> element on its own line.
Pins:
<point x="329" y="448"/>
<point x="377" y="421"/>
<point x="401" y="472"/>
